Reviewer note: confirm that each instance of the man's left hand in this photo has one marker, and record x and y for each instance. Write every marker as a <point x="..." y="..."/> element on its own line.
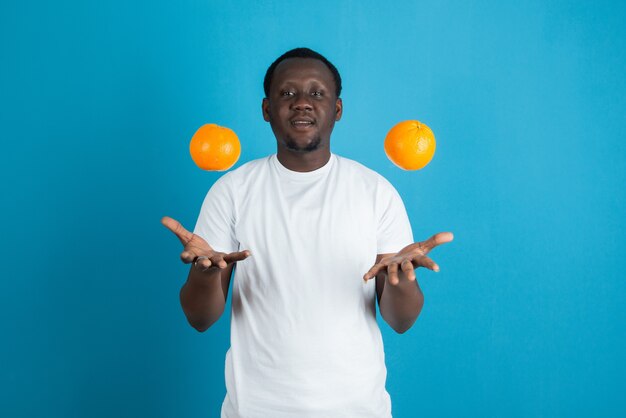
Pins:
<point x="409" y="258"/>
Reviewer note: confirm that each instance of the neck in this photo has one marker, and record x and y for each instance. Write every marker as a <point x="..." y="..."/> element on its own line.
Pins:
<point x="303" y="161"/>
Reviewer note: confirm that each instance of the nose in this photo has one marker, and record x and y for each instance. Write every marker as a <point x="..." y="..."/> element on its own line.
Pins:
<point x="302" y="103"/>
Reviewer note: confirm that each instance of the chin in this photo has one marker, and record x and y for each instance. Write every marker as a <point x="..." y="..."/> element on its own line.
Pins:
<point x="293" y="145"/>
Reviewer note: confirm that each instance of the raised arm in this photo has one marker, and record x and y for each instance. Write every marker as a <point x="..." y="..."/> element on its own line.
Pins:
<point x="203" y="295"/>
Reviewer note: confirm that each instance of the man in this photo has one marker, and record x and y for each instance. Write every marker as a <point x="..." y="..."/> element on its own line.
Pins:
<point x="303" y="226"/>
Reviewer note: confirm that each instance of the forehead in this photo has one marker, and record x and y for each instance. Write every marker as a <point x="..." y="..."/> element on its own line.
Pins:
<point x="302" y="70"/>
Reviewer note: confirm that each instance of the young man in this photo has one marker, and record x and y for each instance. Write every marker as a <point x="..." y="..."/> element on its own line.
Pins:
<point x="304" y="227"/>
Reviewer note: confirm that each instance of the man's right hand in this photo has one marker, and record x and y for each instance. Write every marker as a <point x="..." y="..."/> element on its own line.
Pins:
<point x="198" y="251"/>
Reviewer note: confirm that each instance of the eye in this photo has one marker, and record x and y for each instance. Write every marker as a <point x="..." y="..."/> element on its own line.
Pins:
<point x="316" y="93"/>
<point x="286" y="93"/>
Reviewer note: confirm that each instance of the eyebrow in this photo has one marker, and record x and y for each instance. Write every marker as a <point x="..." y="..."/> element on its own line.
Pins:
<point x="307" y="82"/>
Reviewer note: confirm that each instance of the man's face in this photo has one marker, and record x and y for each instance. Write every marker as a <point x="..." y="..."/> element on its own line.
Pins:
<point x="302" y="106"/>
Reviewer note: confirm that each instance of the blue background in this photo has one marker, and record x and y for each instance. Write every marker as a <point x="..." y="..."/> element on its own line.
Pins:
<point x="527" y="100"/>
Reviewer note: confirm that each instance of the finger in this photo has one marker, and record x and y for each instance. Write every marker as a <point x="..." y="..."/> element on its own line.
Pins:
<point x="437" y="239"/>
<point x="173" y="225"/>
<point x="187" y="256"/>
<point x="426" y="262"/>
<point x="203" y="262"/>
<point x="218" y="260"/>
<point x="237" y="256"/>
<point x="376" y="268"/>
<point x="408" y="270"/>
<point x="392" y="270"/>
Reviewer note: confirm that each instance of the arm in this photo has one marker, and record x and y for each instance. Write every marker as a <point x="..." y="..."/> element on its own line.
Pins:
<point x="400" y="304"/>
<point x="399" y="296"/>
<point x="204" y="294"/>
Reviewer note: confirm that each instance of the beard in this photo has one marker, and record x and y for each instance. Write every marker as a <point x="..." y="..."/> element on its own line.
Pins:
<point x="292" y="145"/>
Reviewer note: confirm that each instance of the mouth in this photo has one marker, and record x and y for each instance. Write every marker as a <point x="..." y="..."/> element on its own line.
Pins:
<point x="302" y="123"/>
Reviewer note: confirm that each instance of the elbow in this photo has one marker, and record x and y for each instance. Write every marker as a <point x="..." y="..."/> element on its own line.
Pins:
<point x="201" y="321"/>
<point x="200" y="326"/>
<point x="404" y="327"/>
<point x="200" y="316"/>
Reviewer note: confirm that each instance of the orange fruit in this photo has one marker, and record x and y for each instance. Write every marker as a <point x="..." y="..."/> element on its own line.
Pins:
<point x="214" y="148"/>
<point x="410" y="145"/>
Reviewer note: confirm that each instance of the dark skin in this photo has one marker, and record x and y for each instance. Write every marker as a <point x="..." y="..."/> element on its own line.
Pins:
<point x="302" y="109"/>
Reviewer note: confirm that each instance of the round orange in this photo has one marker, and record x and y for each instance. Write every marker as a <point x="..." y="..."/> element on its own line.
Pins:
<point x="214" y="148"/>
<point x="410" y="145"/>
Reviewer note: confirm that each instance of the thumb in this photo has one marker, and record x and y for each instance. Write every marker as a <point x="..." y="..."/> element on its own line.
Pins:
<point x="173" y="225"/>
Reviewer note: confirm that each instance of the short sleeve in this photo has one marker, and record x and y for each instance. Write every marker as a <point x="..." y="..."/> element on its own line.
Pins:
<point x="216" y="222"/>
<point x="394" y="229"/>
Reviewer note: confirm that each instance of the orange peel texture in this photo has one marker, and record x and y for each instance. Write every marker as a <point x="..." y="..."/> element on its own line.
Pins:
<point x="410" y="145"/>
<point x="214" y="148"/>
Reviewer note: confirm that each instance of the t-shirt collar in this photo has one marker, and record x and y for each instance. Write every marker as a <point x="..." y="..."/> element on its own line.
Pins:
<point x="302" y="176"/>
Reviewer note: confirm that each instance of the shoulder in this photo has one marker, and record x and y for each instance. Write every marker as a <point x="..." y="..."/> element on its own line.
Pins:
<point x="244" y="172"/>
<point x="360" y="171"/>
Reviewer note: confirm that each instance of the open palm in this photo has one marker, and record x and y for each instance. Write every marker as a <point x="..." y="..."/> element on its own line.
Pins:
<point x="409" y="258"/>
<point x="197" y="250"/>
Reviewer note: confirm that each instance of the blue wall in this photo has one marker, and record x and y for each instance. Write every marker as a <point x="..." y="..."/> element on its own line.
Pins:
<point x="526" y="99"/>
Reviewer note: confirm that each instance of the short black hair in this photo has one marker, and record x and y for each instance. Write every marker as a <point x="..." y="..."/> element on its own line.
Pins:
<point x="301" y="53"/>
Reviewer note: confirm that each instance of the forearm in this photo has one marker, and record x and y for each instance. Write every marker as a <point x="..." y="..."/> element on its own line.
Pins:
<point x="400" y="305"/>
<point x="202" y="298"/>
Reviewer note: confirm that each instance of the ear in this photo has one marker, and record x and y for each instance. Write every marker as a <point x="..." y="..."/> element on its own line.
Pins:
<point x="265" y="107"/>
<point x="338" y="109"/>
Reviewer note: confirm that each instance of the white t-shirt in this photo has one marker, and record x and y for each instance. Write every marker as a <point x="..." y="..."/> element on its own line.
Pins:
<point x="304" y="336"/>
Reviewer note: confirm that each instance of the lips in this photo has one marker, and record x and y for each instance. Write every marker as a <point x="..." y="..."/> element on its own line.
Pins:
<point x="302" y="122"/>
